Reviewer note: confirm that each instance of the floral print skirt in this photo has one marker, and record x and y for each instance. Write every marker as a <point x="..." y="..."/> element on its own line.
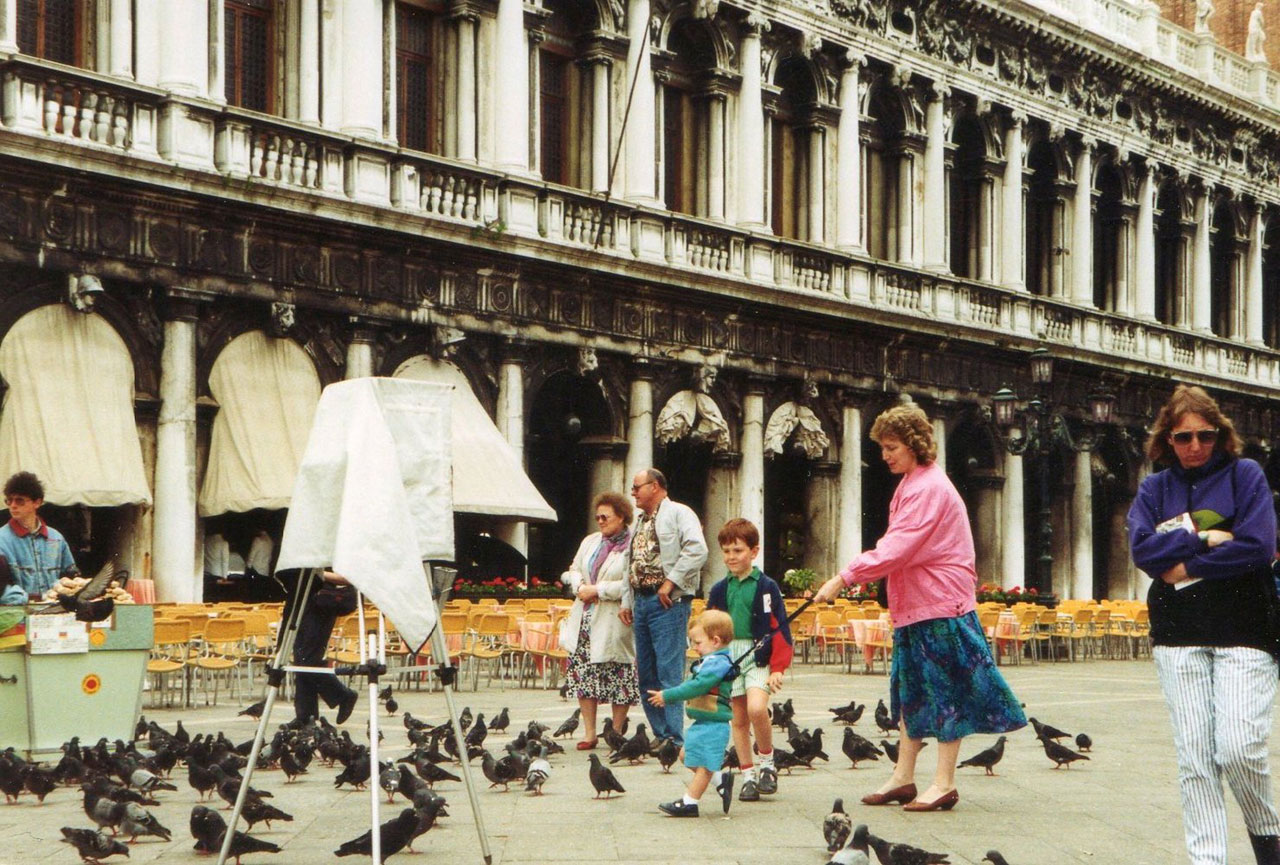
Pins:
<point x="945" y="684"/>
<point x="606" y="682"/>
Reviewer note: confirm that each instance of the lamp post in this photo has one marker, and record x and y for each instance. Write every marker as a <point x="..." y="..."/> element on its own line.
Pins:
<point x="1044" y="430"/>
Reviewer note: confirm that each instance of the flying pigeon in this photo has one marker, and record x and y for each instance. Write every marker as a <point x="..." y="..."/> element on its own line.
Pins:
<point x="987" y="759"/>
<point x="602" y="778"/>
<point x="837" y="828"/>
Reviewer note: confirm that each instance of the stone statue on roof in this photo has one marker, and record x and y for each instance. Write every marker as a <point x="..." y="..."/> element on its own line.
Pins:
<point x="1255" y="44"/>
<point x="1204" y="11"/>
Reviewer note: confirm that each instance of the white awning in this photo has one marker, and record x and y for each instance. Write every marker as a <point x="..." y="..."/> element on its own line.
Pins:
<point x="267" y="390"/>
<point x="68" y="414"/>
<point x="487" y="475"/>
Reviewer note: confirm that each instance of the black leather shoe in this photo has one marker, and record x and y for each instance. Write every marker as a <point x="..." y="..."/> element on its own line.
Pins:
<point x="678" y="808"/>
<point x="725" y="789"/>
<point x="750" y="792"/>
<point x="1266" y="849"/>
<point x="768" y="781"/>
<point x="347" y="705"/>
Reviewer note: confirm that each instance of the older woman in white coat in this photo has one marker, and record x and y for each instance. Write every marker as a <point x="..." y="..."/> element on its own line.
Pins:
<point x="602" y="657"/>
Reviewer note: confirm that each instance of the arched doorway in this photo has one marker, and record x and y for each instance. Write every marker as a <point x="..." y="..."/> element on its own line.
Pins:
<point x="970" y="237"/>
<point x="568" y="408"/>
<point x="1171" y="252"/>
<point x="1111" y="241"/>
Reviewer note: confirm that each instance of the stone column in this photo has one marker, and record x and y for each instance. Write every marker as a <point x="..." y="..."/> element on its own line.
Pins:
<point x="330" y="65"/>
<point x="362" y="68"/>
<point x="817" y="205"/>
<point x="821" y="511"/>
<point x="465" y="86"/>
<point x="910" y="205"/>
<point x="715" y="156"/>
<point x="511" y="88"/>
<point x="1012" y="530"/>
<point x="719" y="506"/>
<point x="1013" y="232"/>
<point x="640" y="419"/>
<point x="849" y="158"/>
<point x="849" y="525"/>
<point x="510" y="422"/>
<point x="174" y="531"/>
<point x="9" y="26"/>
<point x="184" y="47"/>
<point x="604" y="474"/>
<point x="600" y="69"/>
<point x="1082" y="228"/>
<point x="121" y="54"/>
<point x="1253" y="325"/>
<point x="751" y="474"/>
<point x="641" y="163"/>
<point x="216" y="52"/>
<point x="751" y="127"/>
<point x="360" y="353"/>
<point x="935" y="179"/>
<point x="309" y="62"/>
<point x="146" y="41"/>
<point x="987" y="542"/>
<point x="940" y="438"/>
<point x="1145" y="248"/>
<point x="1201" y="265"/>
<point x="1082" y="527"/>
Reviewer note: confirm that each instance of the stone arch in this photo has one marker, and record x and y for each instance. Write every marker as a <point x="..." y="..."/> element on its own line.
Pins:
<point x="682" y="25"/>
<point x="1111" y="232"/>
<point x="222" y="330"/>
<point x="1173" y="213"/>
<point x="969" y="204"/>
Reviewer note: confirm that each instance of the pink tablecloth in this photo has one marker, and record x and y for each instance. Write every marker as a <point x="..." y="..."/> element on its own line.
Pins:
<point x="143" y="591"/>
<point x="873" y="630"/>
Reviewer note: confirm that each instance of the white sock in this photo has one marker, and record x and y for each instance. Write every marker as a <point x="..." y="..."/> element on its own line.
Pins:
<point x="766" y="760"/>
<point x="716" y="778"/>
<point x="689" y="800"/>
<point x="749" y="774"/>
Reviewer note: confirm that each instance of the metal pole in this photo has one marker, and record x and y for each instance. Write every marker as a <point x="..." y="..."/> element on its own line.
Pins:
<point x="1046" y="507"/>
<point x="275" y="675"/>
<point x="369" y="653"/>
<point x="448" y="675"/>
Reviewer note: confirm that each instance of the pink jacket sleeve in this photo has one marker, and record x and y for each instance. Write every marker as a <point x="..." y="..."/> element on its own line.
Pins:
<point x="909" y="528"/>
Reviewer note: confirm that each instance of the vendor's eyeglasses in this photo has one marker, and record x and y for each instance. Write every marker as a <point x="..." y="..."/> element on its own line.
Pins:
<point x="635" y="488"/>
<point x="603" y="518"/>
<point x="1204" y="436"/>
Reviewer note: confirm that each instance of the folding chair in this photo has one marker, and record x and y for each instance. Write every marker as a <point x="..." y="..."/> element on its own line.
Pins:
<point x="222" y="652"/>
<point x="171" y="646"/>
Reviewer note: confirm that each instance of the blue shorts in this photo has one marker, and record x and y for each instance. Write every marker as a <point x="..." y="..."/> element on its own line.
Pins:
<point x="705" y="743"/>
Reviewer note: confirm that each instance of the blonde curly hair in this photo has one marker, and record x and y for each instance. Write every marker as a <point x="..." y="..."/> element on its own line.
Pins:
<point x="909" y="425"/>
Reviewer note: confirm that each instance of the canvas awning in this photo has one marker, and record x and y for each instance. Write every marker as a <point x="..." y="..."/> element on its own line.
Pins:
<point x="488" y="477"/>
<point x="68" y="413"/>
<point x="267" y="390"/>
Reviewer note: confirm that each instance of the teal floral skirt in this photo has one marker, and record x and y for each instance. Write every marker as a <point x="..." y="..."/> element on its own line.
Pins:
<point x="945" y="684"/>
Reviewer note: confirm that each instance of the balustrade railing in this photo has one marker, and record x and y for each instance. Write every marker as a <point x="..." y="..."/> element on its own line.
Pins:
<point x="78" y="106"/>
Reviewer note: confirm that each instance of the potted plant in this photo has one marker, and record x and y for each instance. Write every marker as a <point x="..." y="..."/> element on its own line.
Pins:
<point x="799" y="582"/>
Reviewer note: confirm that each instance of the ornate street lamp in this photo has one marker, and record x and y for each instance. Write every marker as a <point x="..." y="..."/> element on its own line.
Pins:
<point x="1042" y="432"/>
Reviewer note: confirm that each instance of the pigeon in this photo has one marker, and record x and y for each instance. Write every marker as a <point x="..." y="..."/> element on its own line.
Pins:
<point x="856" y="748"/>
<point x="464" y="720"/>
<point x="229" y="788"/>
<point x="257" y="811"/>
<point x="613" y="738"/>
<point x="848" y="714"/>
<point x="904" y="854"/>
<point x="201" y="778"/>
<point x="994" y="857"/>
<point x="433" y="773"/>
<point x="393" y="836"/>
<point x="427" y="814"/>
<point x="783" y="713"/>
<point x="1083" y="742"/>
<point x="476" y="735"/>
<point x="883" y="719"/>
<point x="987" y="759"/>
<point x="1061" y="755"/>
<point x="254" y="711"/>
<point x="92" y="845"/>
<point x="633" y="750"/>
<point x="809" y="747"/>
<point x="786" y="760"/>
<point x="389" y="780"/>
<point x="291" y="765"/>
<point x="356" y="772"/>
<point x="242" y="844"/>
<point x="857" y="853"/>
<point x="837" y="828"/>
<point x="42" y="782"/>
<point x="392" y="706"/>
<point x="139" y="821"/>
<point x="538" y="772"/>
<point x="148" y="782"/>
<point x="207" y="827"/>
<point x="500" y="722"/>
<point x="1045" y="731"/>
<point x="499" y="772"/>
<point x="569" y="726"/>
<point x="101" y="809"/>
<point x="668" y="753"/>
<point x="602" y="778"/>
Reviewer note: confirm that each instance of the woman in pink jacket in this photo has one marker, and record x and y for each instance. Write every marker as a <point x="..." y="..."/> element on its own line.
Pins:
<point x="944" y="682"/>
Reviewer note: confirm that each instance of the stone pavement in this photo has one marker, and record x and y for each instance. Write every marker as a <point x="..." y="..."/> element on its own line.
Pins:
<point x="1120" y="808"/>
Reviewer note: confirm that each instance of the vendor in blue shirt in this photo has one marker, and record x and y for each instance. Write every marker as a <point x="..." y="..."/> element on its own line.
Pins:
<point x="37" y="554"/>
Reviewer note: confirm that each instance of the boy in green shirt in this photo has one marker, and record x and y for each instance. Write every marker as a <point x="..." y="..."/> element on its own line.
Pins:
<point x="754" y="603"/>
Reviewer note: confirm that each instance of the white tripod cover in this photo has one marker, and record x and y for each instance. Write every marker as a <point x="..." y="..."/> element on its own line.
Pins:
<point x="373" y="499"/>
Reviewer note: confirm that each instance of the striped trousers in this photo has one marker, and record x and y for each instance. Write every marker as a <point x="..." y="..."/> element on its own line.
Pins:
<point x="1220" y="700"/>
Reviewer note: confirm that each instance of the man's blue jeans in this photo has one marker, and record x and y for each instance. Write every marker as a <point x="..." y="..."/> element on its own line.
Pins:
<point x="661" y="641"/>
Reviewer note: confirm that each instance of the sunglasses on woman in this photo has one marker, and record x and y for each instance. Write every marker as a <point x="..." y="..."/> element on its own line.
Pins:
<point x="1204" y="436"/>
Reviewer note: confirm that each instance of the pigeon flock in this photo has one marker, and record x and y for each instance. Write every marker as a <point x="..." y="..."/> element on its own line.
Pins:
<point x="124" y="785"/>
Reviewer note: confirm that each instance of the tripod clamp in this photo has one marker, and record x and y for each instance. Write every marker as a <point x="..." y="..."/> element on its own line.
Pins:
<point x="370" y="668"/>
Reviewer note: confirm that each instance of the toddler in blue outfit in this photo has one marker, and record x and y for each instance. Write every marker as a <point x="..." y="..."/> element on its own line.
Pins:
<point x="706" y="696"/>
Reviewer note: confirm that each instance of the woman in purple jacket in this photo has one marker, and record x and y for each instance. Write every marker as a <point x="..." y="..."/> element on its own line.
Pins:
<point x="1204" y="530"/>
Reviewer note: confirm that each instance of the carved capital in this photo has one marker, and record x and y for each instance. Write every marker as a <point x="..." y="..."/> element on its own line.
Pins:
<point x="938" y="90"/>
<point x="757" y="24"/>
